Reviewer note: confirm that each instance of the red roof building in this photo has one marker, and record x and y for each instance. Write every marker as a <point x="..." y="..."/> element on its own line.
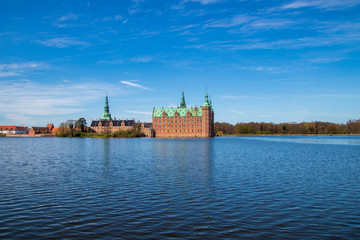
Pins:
<point x="13" y="130"/>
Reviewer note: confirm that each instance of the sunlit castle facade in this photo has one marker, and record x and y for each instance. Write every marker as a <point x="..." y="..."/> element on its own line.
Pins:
<point x="108" y="125"/>
<point x="184" y="121"/>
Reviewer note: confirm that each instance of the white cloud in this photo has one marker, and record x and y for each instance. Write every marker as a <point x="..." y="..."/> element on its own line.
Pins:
<point x="182" y="28"/>
<point x="235" y="97"/>
<point x="15" y="69"/>
<point x="229" y="22"/>
<point x="63" y="42"/>
<point x="259" y="68"/>
<point x="118" y="17"/>
<point x="138" y="112"/>
<point x="298" y="43"/>
<point x="141" y="59"/>
<point x="238" y="112"/>
<point x="23" y="66"/>
<point x="272" y="23"/>
<point x="8" y="74"/>
<point x="242" y="97"/>
<point x="132" y="84"/>
<point x="33" y="101"/>
<point x="68" y="17"/>
<point x="323" y="4"/>
<point x="205" y="2"/>
<point x="326" y="60"/>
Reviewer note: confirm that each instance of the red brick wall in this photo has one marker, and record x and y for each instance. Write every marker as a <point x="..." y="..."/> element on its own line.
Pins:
<point x="184" y="126"/>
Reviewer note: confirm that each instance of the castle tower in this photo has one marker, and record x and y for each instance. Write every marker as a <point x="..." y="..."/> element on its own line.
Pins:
<point x="207" y="118"/>
<point x="182" y="103"/>
<point x="106" y="114"/>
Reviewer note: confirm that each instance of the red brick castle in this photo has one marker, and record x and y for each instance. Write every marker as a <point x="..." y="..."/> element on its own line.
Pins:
<point x="184" y="121"/>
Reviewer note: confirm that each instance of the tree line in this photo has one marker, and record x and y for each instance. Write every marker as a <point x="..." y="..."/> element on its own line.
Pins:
<point x="79" y="128"/>
<point x="317" y="127"/>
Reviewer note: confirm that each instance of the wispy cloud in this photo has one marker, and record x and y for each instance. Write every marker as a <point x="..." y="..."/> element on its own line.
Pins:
<point x="141" y="59"/>
<point x="8" y="74"/>
<point x="246" y="23"/>
<point x="298" y="43"/>
<point x="69" y="20"/>
<point x="236" y="97"/>
<point x="182" y="28"/>
<point x="132" y="84"/>
<point x="229" y="22"/>
<point x="205" y="2"/>
<point x="264" y="69"/>
<point x="323" y="4"/>
<point x="243" y="97"/>
<point x="238" y="112"/>
<point x="32" y="101"/>
<point x="329" y="95"/>
<point x="68" y="17"/>
<point x="273" y="23"/>
<point x="63" y="42"/>
<point x="23" y="66"/>
<point x="111" y="18"/>
<point x="15" y="69"/>
<point x="326" y="59"/>
<point x="138" y="112"/>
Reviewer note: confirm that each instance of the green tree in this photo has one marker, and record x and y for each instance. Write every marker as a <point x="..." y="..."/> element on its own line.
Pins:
<point x="81" y="124"/>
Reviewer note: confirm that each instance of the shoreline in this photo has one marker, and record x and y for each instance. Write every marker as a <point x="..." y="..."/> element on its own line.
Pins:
<point x="287" y="135"/>
<point x="224" y="135"/>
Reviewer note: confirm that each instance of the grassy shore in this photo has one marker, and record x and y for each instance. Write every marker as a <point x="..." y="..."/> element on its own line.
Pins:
<point x="283" y="135"/>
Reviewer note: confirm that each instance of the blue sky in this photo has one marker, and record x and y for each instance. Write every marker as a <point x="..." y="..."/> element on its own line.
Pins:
<point x="261" y="60"/>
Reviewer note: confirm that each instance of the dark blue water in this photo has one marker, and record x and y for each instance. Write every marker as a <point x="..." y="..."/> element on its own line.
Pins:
<point x="221" y="188"/>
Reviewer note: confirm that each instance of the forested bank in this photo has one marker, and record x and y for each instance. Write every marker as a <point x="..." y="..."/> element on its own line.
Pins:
<point x="351" y="127"/>
<point x="80" y="129"/>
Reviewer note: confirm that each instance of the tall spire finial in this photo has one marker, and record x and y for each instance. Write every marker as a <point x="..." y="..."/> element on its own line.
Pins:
<point x="106" y="114"/>
<point x="206" y="101"/>
<point x="182" y="102"/>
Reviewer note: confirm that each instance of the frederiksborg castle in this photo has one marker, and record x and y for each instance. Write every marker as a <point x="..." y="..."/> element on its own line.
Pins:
<point x="174" y="122"/>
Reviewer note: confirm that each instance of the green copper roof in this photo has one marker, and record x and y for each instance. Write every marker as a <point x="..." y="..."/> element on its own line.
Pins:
<point x="206" y="101"/>
<point x="106" y="114"/>
<point x="170" y="112"/>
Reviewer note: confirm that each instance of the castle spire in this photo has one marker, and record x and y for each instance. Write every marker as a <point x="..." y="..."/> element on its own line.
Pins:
<point x="106" y="114"/>
<point x="206" y="101"/>
<point x="182" y="103"/>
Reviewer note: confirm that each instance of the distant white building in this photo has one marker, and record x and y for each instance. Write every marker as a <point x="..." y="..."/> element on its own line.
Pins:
<point x="13" y="130"/>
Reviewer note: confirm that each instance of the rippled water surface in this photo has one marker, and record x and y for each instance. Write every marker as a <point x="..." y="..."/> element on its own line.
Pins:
<point x="221" y="188"/>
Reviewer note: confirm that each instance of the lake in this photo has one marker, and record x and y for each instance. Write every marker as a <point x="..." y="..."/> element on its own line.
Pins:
<point x="220" y="188"/>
